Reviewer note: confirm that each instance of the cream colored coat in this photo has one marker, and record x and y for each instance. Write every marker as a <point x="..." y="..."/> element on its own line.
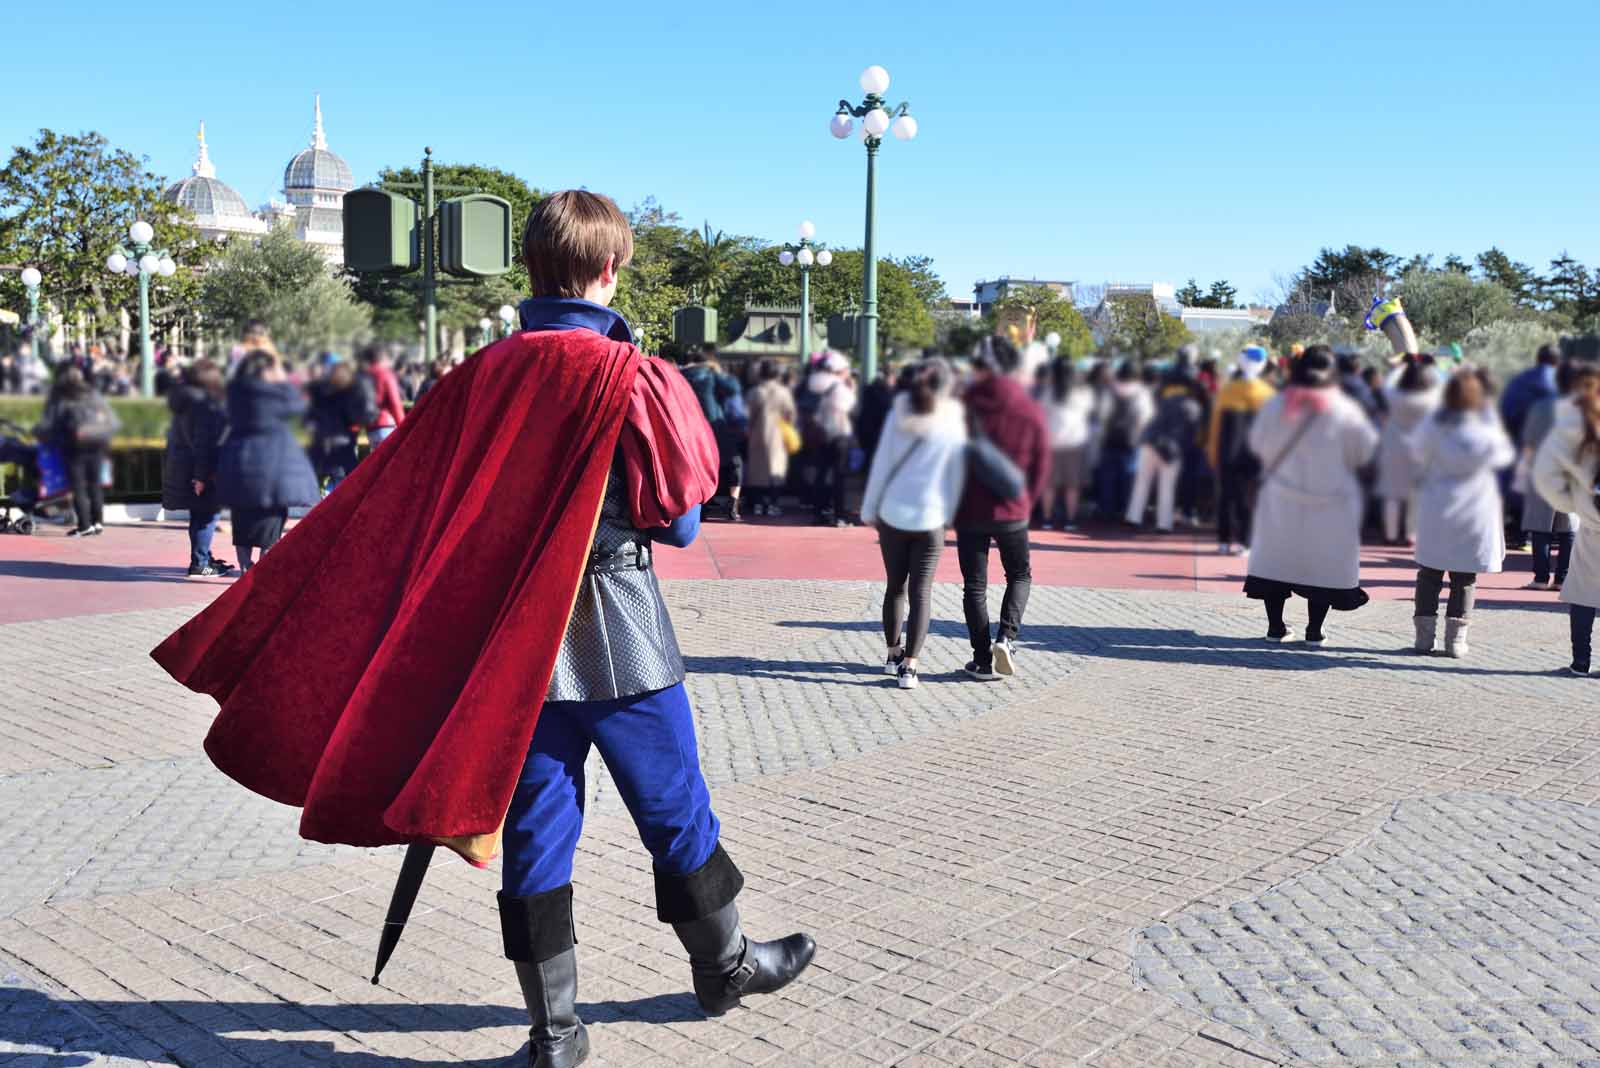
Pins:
<point x="1308" y="514"/>
<point x="1567" y="481"/>
<point x="770" y="405"/>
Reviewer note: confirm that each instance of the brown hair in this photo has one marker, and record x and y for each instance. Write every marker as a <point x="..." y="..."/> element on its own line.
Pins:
<point x="568" y="239"/>
<point x="1465" y="391"/>
<point x="1586" y="394"/>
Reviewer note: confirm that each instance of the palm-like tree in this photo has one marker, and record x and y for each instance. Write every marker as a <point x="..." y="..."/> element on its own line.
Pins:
<point x="703" y="262"/>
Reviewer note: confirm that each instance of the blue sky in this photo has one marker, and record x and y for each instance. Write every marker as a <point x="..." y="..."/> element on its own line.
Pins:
<point x="1088" y="141"/>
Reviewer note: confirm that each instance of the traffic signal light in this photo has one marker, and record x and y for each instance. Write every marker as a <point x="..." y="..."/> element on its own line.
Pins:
<point x="475" y="235"/>
<point x="381" y="232"/>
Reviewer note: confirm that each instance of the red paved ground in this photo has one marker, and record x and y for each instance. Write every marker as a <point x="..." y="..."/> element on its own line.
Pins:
<point x="142" y="565"/>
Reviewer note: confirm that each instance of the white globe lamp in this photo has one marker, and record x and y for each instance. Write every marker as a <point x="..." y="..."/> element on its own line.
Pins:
<point x="167" y="267"/>
<point x="824" y="258"/>
<point x="786" y="257"/>
<point x="808" y="230"/>
<point x="116" y="263"/>
<point x="806" y="257"/>
<point x="874" y="80"/>
<point x="876" y="122"/>
<point x="141" y="232"/>
<point x="149" y="263"/>
<point x="905" y="128"/>
<point x="31" y="277"/>
<point x="841" y="125"/>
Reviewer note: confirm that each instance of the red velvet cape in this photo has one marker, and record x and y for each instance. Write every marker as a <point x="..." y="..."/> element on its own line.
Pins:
<point x="384" y="665"/>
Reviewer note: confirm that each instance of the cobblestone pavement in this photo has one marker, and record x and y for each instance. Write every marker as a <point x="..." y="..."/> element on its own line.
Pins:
<point x="977" y="861"/>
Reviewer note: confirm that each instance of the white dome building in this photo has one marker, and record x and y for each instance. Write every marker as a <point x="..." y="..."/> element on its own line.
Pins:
<point x="314" y="183"/>
<point x="219" y="212"/>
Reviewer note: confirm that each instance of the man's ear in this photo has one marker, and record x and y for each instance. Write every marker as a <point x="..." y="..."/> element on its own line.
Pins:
<point x="608" y="273"/>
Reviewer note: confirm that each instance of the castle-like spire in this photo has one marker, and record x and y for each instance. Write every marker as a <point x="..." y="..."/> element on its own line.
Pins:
<point x="202" y="163"/>
<point x="318" y="139"/>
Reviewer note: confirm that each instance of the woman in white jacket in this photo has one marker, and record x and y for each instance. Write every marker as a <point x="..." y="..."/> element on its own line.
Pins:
<point x="911" y="496"/>
<point x="1460" y="519"/>
<point x="1311" y="439"/>
<point x="1565" y="472"/>
<point x="1413" y="397"/>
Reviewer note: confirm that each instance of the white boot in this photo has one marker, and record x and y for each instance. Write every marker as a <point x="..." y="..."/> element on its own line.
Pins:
<point x="1455" y="638"/>
<point x="1427" y="633"/>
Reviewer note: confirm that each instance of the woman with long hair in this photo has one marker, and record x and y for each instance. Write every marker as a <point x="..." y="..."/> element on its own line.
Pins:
<point x="1460" y="519"/>
<point x="1552" y="532"/>
<point x="1068" y="405"/>
<point x="1412" y="398"/>
<point x="771" y="408"/>
<point x="1565" y="472"/>
<point x="1311" y="440"/>
<point x="912" y="492"/>
<point x="264" y="471"/>
<point x="81" y="424"/>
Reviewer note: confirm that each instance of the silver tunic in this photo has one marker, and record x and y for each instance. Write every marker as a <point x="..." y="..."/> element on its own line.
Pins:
<point x="619" y="641"/>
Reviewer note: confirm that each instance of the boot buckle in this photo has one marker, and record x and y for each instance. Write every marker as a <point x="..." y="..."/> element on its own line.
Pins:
<point x="740" y="976"/>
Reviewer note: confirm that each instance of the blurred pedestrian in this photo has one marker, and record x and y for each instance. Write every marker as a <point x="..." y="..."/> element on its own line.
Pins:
<point x="339" y="408"/>
<point x="1458" y="451"/>
<point x="198" y="422"/>
<point x="1551" y="531"/>
<point x="722" y="401"/>
<point x="1127" y="408"/>
<point x="1311" y="440"/>
<point x="1165" y="441"/>
<point x="828" y="433"/>
<point x="378" y="370"/>
<point x="81" y="424"/>
<point x="1068" y="407"/>
<point x="1012" y="422"/>
<point x="1566" y="472"/>
<point x="263" y="471"/>
<point x="1413" y="399"/>
<point x="773" y="437"/>
<point x="912" y="492"/>
<point x="1228" y="448"/>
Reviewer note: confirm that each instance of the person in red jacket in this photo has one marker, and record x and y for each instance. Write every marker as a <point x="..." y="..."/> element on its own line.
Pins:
<point x="386" y="392"/>
<point x="1001" y="409"/>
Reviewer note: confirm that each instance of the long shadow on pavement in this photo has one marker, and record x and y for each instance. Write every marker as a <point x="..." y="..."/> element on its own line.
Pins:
<point x="201" y="1032"/>
<point x="57" y="570"/>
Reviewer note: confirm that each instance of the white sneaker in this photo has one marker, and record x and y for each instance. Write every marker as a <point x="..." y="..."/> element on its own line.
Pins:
<point x="906" y="677"/>
<point x="891" y="664"/>
<point x="1004" y="657"/>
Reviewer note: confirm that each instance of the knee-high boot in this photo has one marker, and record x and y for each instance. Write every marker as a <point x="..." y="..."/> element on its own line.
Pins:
<point x="539" y="940"/>
<point x="726" y="965"/>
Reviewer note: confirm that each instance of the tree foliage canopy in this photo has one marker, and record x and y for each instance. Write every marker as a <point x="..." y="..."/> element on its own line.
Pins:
<point x="287" y="284"/>
<point x="1052" y="313"/>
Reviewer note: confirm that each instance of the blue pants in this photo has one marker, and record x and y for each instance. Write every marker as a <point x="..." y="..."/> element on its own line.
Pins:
<point x="202" y="528"/>
<point x="647" y="742"/>
<point x="1582" y="622"/>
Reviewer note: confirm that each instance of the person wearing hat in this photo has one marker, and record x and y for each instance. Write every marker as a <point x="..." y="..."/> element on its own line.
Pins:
<point x="1228" y="447"/>
<point x="1311" y="440"/>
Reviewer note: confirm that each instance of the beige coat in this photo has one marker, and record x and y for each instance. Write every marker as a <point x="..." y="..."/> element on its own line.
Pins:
<point x="1567" y="481"/>
<point x="770" y="405"/>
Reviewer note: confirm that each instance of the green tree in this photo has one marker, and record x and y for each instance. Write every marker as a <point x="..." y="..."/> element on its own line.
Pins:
<point x="1447" y="304"/>
<point x="1518" y="279"/>
<point x="1221" y="295"/>
<point x="1138" y="326"/>
<point x="1351" y="276"/>
<point x="1570" y="290"/>
<point x="1191" y="294"/>
<point x="66" y="203"/>
<point x="1052" y="314"/>
<point x="703" y="263"/>
<point x="397" y="305"/>
<point x="287" y="284"/>
<point x="646" y="293"/>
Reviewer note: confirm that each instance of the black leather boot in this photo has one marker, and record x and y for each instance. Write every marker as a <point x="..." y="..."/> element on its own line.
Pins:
<point x="727" y="965"/>
<point x="539" y="939"/>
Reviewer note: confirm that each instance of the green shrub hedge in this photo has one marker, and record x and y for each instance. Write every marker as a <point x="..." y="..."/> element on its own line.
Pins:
<point x="144" y="421"/>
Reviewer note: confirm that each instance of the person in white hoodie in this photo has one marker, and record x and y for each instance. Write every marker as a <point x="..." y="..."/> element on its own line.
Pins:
<point x="1460" y="526"/>
<point x="912" y="492"/>
<point x="1413" y="395"/>
<point x="1566" y="471"/>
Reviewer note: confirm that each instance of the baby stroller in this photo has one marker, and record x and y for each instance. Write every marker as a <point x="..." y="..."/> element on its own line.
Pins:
<point x="40" y="483"/>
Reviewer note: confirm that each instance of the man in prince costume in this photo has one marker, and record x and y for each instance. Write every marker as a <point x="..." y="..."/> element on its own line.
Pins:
<point x="494" y="627"/>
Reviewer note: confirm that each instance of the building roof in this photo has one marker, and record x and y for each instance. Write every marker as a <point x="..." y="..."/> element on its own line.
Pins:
<point x="316" y="167"/>
<point x="215" y="204"/>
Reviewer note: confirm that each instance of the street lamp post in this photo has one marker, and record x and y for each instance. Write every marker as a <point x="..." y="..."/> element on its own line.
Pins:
<point x="805" y="256"/>
<point x="31" y="279"/>
<point x="508" y="317"/>
<point x="141" y="263"/>
<point x="485" y="333"/>
<point x="876" y="120"/>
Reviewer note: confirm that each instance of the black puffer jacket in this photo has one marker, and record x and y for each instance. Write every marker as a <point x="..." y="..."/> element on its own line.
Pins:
<point x="194" y="438"/>
<point x="334" y="418"/>
<point x="263" y="465"/>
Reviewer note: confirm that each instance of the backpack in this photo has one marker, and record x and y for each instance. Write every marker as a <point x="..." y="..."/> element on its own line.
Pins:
<point x="1122" y="425"/>
<point x="703" y="381"/>
<point x="93" y="424"/>
<point x="363" y="400"/>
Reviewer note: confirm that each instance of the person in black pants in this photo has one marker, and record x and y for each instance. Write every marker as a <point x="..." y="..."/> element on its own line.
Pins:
<point x="80" y="423"/>
<point x="1003" y="412"/>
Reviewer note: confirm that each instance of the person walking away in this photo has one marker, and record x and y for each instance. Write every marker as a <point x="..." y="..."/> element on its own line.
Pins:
<point x="772" y="426"/>
<point x="1001" y="410"/>
<point x="1162" y="446"/>
<point x="378" y="369"/>
<point x="466" y="709"/>
<point x="1068" y="407"/>
<point x="199" y="420"/>
<point x="828" y="435"/>
<point x="1128" y="408"/>
<point x="913" y="488"/>
<point x="339" y="408"/>
<point x="1551" y="532"/>
<point x="1311" y="440"/>
<point x="1566" y="472"/>
<point x="81" y="424"/>
<point x="1412" y="400"/>
<point x="263" y="471"/>
<point x="717" y="393"/>
<point x="877" y="401"/>
<point x="1228" y="448"/>
<point x="1460" y="528"/>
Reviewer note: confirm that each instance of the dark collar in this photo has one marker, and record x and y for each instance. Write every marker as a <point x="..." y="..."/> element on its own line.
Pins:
<point x="573" y="313"/>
